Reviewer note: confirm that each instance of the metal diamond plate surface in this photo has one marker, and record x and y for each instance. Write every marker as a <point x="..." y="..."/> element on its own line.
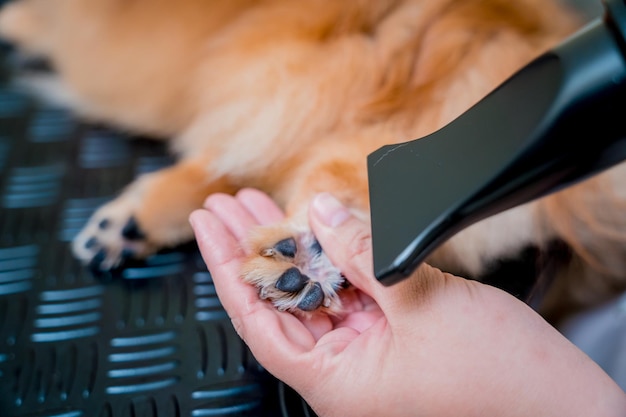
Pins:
<point x="153" y="340"/>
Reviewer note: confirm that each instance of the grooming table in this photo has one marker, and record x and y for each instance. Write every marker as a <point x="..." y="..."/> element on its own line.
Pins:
<point x="152" y="340"/>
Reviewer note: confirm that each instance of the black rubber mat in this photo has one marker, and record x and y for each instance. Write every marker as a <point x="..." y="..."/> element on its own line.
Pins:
<point x="152" y="340"/>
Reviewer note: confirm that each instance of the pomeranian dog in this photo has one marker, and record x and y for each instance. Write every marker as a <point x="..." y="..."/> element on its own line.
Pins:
<point x="290" y="97"/>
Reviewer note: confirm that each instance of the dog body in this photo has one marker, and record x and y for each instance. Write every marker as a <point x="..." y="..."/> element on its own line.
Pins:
<point x="290" y="97"/>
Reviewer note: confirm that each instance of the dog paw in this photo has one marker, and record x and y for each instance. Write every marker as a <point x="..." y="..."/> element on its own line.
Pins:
<point x="111" y="236"/>
<point x="292" y="271"/>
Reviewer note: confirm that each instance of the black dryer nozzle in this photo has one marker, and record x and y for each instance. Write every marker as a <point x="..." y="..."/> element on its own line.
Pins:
<point x="557" y="121"/>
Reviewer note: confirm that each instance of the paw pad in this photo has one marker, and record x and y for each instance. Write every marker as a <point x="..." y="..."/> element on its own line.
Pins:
<point x="104" y="224"/>
<point x="92" y="242"/>
<point x="316" y="248"/>
<point x="313" y="298"/>
<point x="294" y="274"/>
<point x="292" y="280"/>
<point x="287" y="247"/>
<point x="131" y="230"/>
<point x="96" y="262"/>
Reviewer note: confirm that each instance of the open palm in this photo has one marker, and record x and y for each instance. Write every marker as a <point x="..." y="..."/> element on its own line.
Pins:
<point x="434" y="344"/>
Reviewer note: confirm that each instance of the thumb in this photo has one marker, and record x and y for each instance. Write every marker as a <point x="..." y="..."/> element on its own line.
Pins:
<point x="347" y="241"/>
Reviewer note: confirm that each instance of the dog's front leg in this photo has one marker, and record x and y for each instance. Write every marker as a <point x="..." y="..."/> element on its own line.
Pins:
<point x="150" y="214"/>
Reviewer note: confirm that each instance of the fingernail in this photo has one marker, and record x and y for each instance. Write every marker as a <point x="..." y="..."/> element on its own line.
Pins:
<point x="193" y="219"/>
<point x="329" y="210"/>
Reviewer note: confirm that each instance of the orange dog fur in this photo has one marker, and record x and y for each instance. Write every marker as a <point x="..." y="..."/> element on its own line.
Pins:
<point x="290" y="97"/>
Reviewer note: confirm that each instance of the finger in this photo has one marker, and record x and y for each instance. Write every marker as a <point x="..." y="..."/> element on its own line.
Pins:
<point x="318" y="324"/>
<point x="241" y="213"/>
<point x="260" y="205"/>
<point x="277" y="340"/>
<point x="256" y="206"/>
<point x="232" y="213"/>
<point x="354" y="300"/>
<point x="223" y="256"/>
<point x="346" y="241"/>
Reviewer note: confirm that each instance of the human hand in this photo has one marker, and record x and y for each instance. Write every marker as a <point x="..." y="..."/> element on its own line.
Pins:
<point x="434" y="344"/>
